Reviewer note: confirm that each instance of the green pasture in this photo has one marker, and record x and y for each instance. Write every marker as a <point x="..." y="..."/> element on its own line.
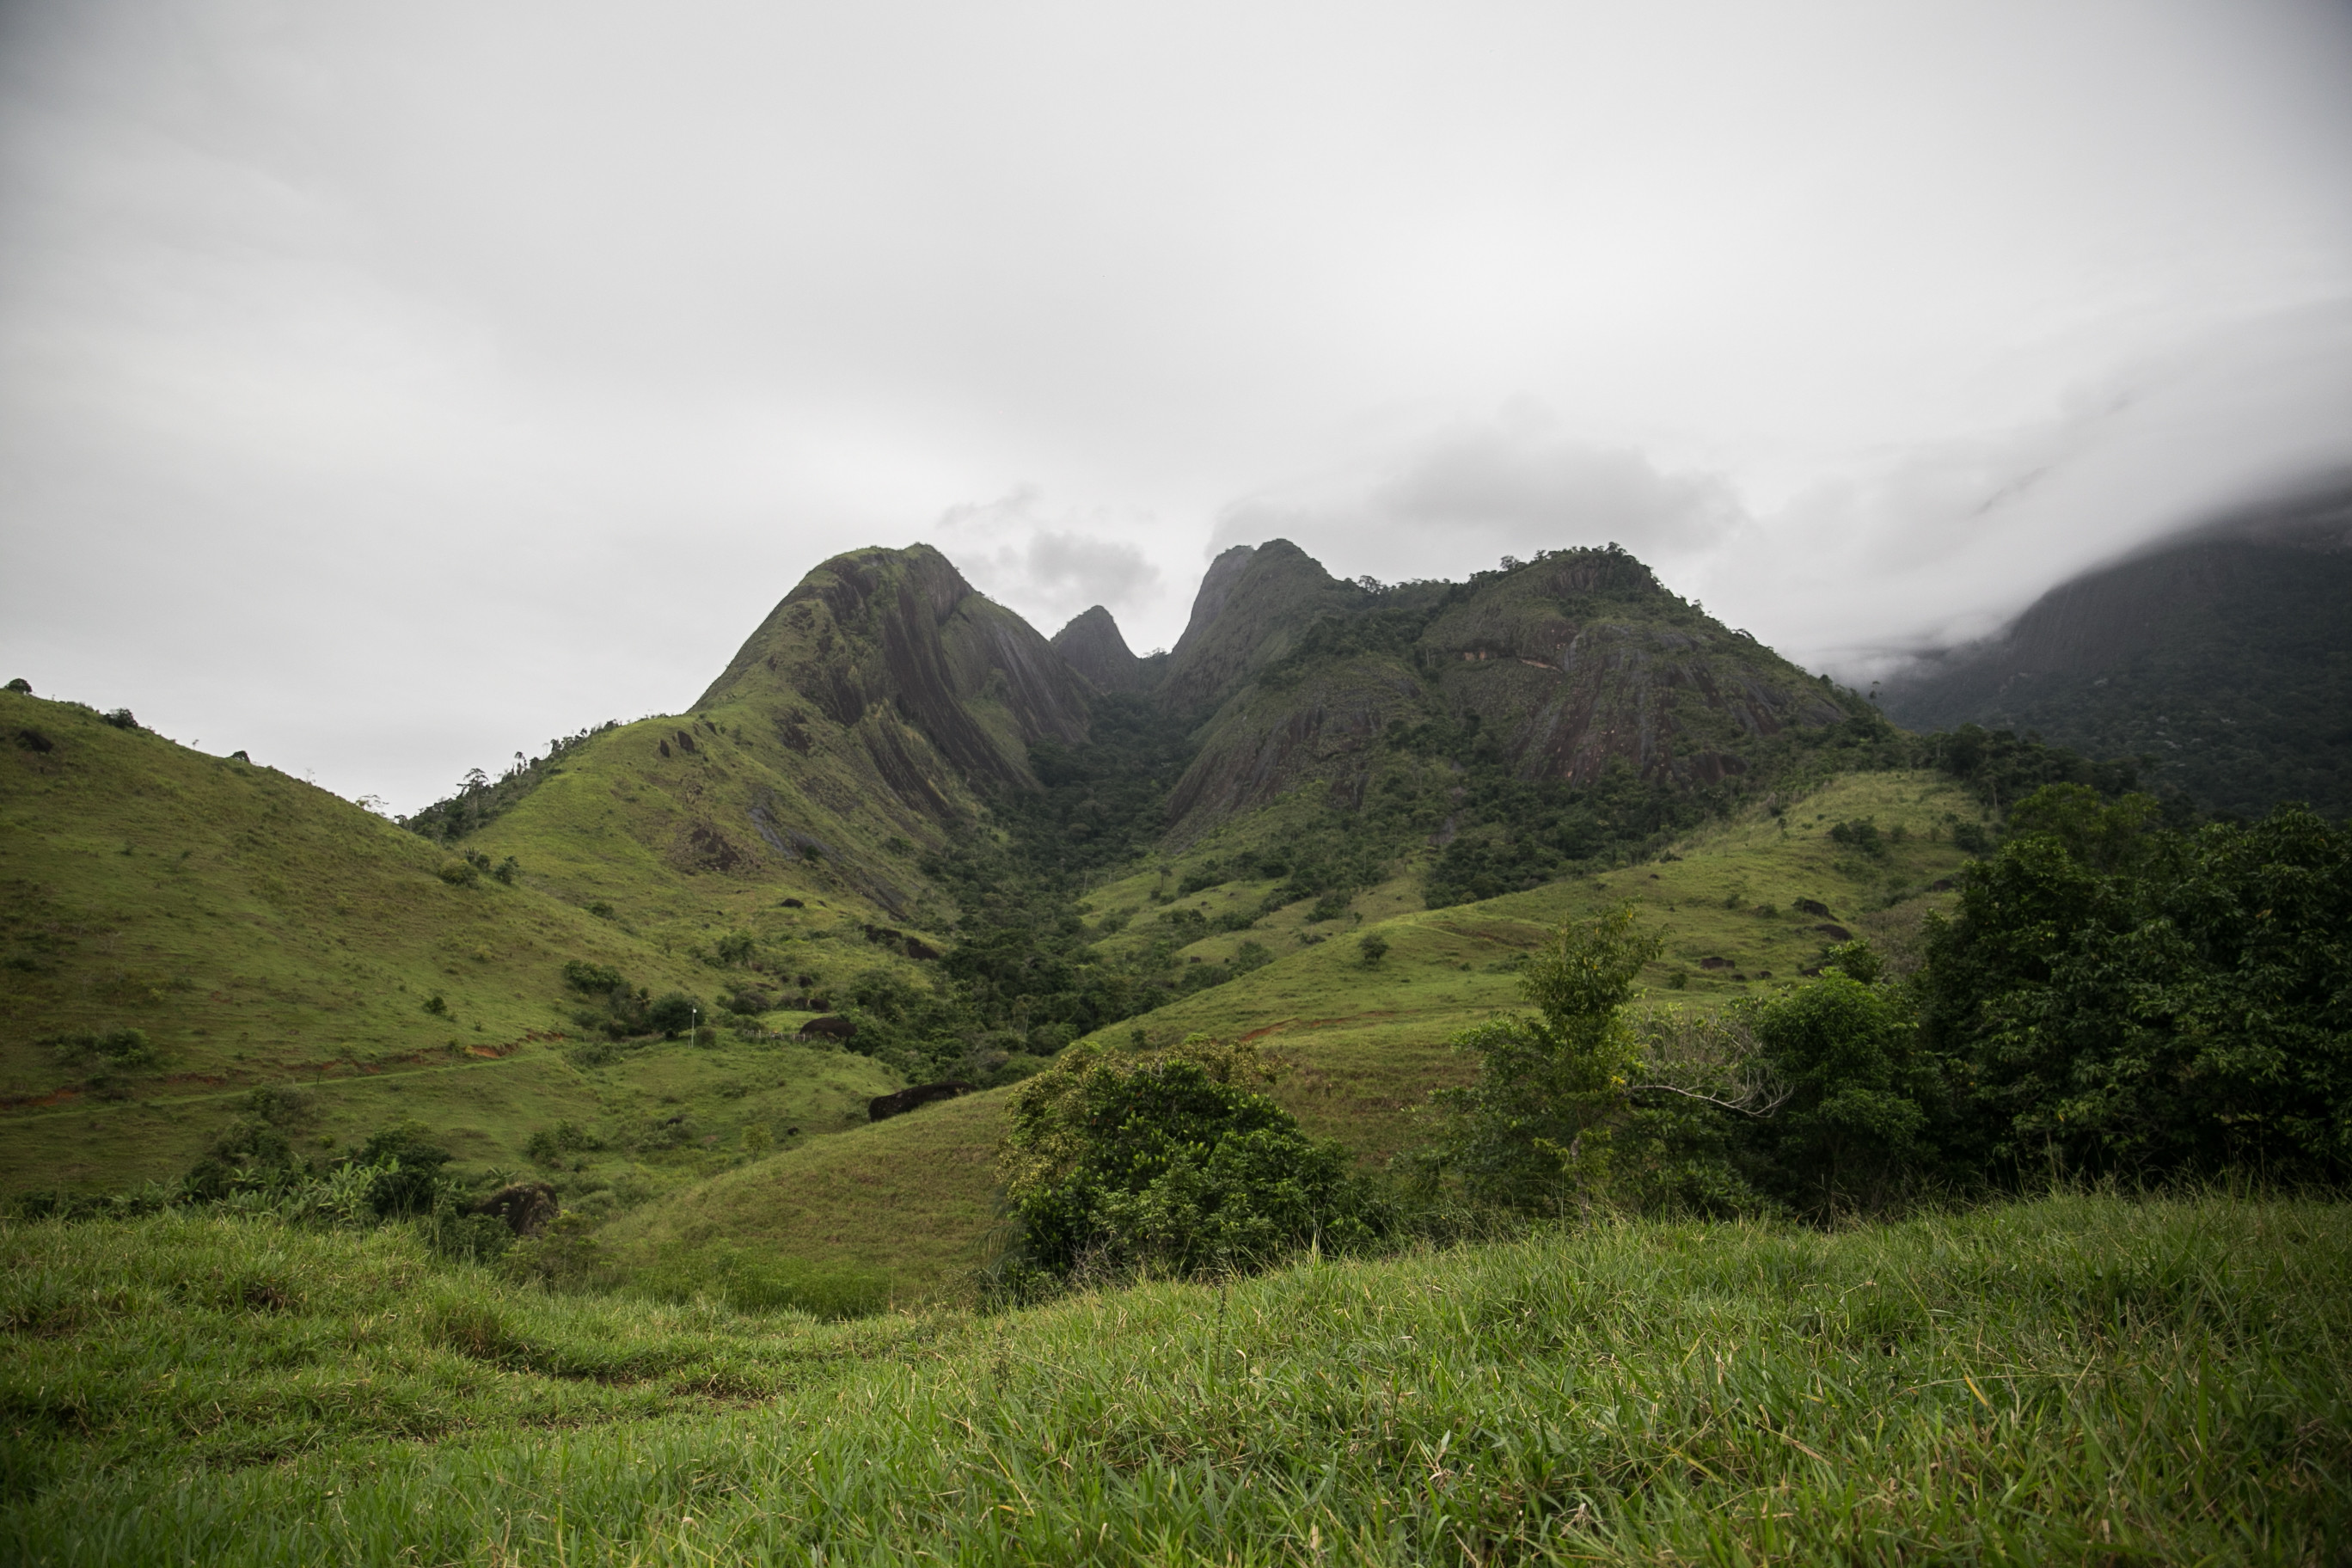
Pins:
<point x="262" y="933"/>
<point x="2081" y="1379"/>
<point x="1360" y="1046"/>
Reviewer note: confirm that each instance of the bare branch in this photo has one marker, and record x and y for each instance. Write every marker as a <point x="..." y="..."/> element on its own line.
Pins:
<point x="1759" y="1100"/>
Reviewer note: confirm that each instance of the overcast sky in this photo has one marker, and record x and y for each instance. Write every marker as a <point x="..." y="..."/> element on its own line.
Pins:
<point x="384" y="388"/>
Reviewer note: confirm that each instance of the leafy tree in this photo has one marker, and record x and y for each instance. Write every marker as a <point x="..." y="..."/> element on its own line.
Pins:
<point x="1579" y="1100"/>
<point x="1374" y="947"/>
<point x="2130" y="997"/>
<point x="1535" y="1127"/>
<point x="1863" y="1104"/>
<point x="1171" y="1161"/>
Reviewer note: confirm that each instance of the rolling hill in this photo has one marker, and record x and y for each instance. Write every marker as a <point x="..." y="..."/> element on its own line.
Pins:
<point x="912" y="1198"/>
<point x="893" y="769"/>
<point x="258" y="933"/>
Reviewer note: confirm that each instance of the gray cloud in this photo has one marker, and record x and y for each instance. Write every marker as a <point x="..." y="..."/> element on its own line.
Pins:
<point x="384" y="388"/>
<point x="1466" y="495"/>
<point x="1048" y="567"/>
<point x="1943" y="541"/>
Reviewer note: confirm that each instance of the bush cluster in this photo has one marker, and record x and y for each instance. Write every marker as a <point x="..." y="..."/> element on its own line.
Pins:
<point x="628" y="1012"/>
<point x="2111" y="996"/>
<point x="1172" y="1161"/>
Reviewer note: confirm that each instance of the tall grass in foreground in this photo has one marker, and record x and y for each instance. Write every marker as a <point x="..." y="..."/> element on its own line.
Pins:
<point x="2078" y="1379"/>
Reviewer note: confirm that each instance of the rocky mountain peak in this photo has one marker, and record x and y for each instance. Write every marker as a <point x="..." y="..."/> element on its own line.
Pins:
<point x="1091" y="645"/>
<point x="895" y="648"/>
<point x="1253" y="604"/>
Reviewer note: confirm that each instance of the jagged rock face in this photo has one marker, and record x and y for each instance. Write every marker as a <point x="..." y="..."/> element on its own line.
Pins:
<point x="1251" y="608"/>
<point x="1577" y="661"/>
<point x="2224" y="658"/>
<point x="1262" y="744"/>
<point x="941" y="688"/>
<point x="1584" y="659"/>
<point x="1092" y="645"/>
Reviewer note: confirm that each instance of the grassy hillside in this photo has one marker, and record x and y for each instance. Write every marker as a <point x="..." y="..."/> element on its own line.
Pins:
<point x="911" y="1196"/>
<point x="261" y="932"/>
<point x="2077" y="1380"/>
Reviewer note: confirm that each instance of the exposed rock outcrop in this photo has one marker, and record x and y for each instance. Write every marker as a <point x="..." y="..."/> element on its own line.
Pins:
<point x="941" y="688"/>
<point x="526" y="1207"/>
<point x="1092" y="645"/>
<point x="1251" y="609"/>
<point x="883" y="1106"/>
<point x="1577" y="662"/>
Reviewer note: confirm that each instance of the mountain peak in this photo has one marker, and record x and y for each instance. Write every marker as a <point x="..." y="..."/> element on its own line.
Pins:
<point x="1253" y="604"/>
<point x="1092" y="645"/>
<point x="882" y="642"/>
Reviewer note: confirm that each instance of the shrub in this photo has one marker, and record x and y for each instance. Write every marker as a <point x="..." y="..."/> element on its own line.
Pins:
<point x="120" y="719"/>
<point x="459" y="873"/>
<point x="251" y="1154"/>
<point x="121" y="1048"/>
<point x="508" y="870"/>
<point x="1861" y="833"/>
<point x="735" y="949"/>
<point x="1185" y="926"/>
<point x="564" y="1257"/>
<point x="282" y="1105"/>
<point x="550" y="1144"/>
<point x="408" y="1169"/>
<point x="1173" y="1162"/>
<point x="1329" y="906"/>
<point x="437" y="1005"/>
<point x="593" y="979"/>
<point x="673" y="1013"/>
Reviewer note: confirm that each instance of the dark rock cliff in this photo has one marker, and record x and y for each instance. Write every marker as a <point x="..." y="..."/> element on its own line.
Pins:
<point x="943" y="689"/>
<point x="1252" y="607"/>
<point x="1573" y="663"/>
<point x="1092" y="645"/>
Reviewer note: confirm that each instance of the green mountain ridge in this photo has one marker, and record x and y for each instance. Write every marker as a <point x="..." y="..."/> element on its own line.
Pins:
<point x="2223" y="659"/>
<point x="893" y="768"/>
<point x="1569" y="665"/>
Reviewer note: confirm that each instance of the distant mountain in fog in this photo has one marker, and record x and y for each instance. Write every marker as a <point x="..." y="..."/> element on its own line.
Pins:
<point x="2223" y="656"/>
